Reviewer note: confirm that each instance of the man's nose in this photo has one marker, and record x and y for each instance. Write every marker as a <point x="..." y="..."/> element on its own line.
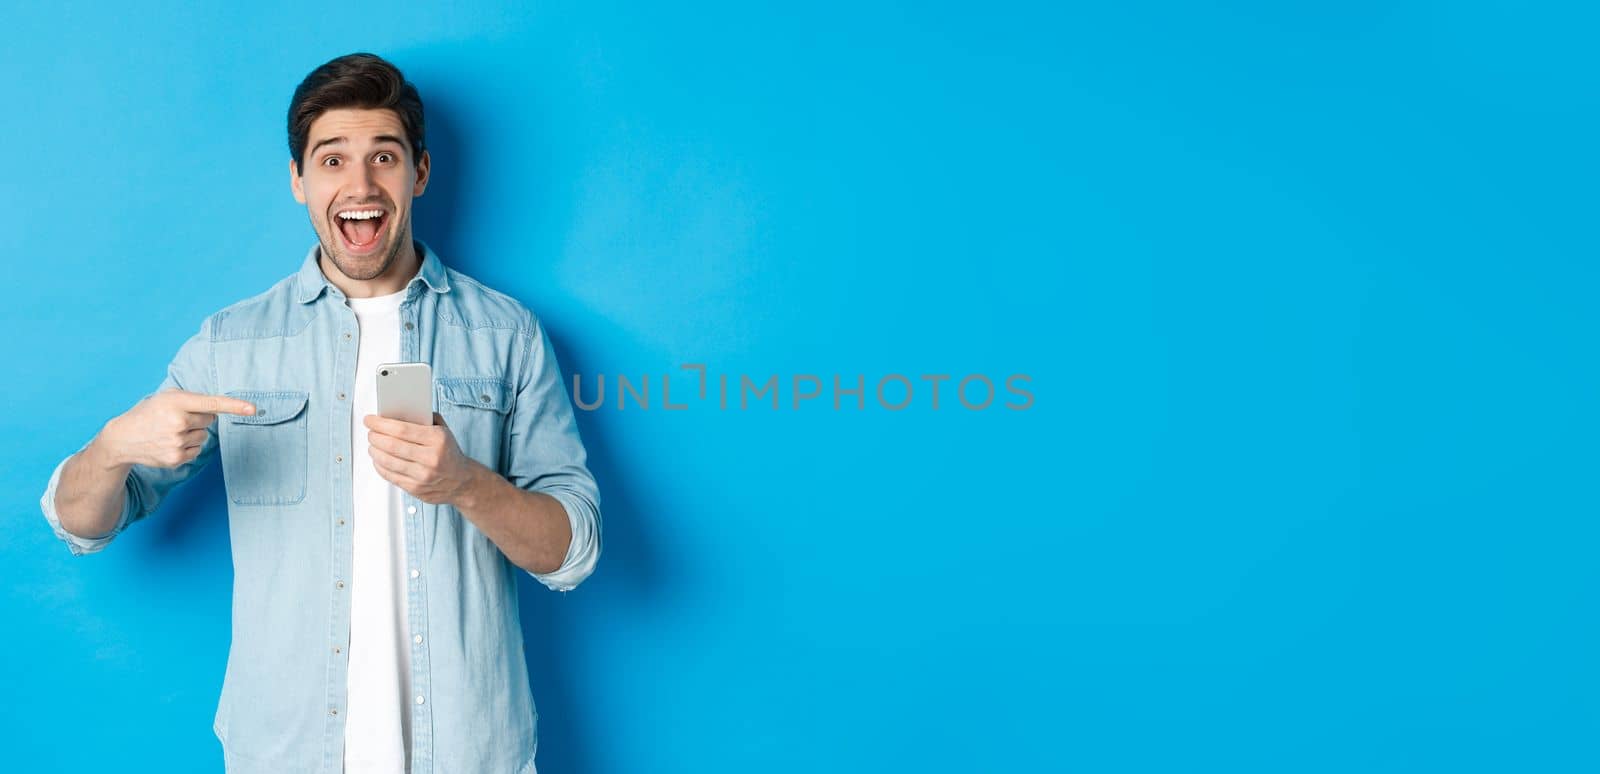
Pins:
<point x="363" y="183"/>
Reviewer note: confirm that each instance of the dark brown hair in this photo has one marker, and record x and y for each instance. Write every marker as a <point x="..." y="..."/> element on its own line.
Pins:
<point x="365" y="81"/>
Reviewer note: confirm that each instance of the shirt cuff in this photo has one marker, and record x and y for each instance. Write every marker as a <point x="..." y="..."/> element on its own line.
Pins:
<point x="78" y="544"/>
<point x="584" y="550"/>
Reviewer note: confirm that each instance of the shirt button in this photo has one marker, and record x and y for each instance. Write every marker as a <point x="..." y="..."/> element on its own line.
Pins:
<point x="338" y="458"/>
<point x="341" y="396"/>
<point x="417" y="639"/>
<point x="419" y="698"/>
<point x="347" y="336"/>
<point x="336" y="650"/>
<point x="483" y="398"/>
<point x="415" y="573"/>
<point x="341" y="522"/>
<point x="409" y="326"/>
<point x="333" y="711"/>
<point x="338" y="584"/>
<point x="411" y="509"/>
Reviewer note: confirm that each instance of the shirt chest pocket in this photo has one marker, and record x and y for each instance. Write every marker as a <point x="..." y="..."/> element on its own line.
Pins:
<point x="476" y="408"/>
<point x="264" y="455"/>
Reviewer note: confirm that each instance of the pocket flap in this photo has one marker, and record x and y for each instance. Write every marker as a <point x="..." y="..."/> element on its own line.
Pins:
<point x="272" y="406"/>
<point x="479" y="392"/>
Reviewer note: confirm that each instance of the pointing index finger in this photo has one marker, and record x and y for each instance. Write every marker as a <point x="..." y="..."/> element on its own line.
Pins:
<point x="215" y="404"/>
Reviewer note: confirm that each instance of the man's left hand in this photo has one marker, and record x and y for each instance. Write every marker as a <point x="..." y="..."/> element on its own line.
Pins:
<point x="421" y="459"/>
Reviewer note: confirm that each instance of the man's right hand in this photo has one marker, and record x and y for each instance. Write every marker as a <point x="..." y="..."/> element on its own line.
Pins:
<point x="165" y="429"/>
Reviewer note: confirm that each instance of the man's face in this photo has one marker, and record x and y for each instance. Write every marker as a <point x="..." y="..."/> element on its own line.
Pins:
<point x="357" y="184"/>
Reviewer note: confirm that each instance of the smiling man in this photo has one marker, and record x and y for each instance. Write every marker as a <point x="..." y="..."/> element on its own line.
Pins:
<point x="375" y="618"/>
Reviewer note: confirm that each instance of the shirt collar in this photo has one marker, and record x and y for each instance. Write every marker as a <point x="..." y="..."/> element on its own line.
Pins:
<point x="311" y="280"/>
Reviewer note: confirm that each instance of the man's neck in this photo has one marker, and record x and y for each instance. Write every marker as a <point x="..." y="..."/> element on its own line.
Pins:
<point x="405" y="266"/>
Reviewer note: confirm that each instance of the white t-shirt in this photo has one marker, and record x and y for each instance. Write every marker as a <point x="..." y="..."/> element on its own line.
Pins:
<point x="377" y="731"/>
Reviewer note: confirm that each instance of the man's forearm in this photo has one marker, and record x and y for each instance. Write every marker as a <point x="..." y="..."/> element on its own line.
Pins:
<point x="530" y="528"/>
<point x="91" y="493"/>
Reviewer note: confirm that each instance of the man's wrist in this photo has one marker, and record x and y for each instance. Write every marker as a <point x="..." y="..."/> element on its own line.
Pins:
<point x="480" y="480"/>
<point x="98" y="457"/>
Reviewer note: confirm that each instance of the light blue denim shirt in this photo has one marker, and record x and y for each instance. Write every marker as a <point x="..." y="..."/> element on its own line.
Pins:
<point x="292" y="352"/>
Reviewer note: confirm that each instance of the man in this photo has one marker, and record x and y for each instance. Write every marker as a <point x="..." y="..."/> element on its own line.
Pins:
<point x="375" y="619"/>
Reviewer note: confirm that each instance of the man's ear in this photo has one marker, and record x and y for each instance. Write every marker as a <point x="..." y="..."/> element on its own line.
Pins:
<point x="422" y="176"/>
<point x="294" y="183"/>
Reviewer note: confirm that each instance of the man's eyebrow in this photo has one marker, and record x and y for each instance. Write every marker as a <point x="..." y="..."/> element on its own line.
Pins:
<point x="339" y="140"/>
<point x="328" y="141"/>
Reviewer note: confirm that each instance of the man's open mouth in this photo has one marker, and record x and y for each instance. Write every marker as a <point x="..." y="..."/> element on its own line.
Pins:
<point x="361" y="229"/>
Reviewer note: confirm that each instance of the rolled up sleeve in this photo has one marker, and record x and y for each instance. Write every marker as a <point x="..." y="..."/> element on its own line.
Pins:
<point x="78" y="544"/>
<point x="145" y="487"/>
<point x="545" y="454"/>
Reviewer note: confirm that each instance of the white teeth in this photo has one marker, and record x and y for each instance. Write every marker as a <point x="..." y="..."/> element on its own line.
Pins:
<point x="361" y="214"/>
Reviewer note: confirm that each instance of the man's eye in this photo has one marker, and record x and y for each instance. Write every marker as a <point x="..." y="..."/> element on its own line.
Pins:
<point x="332" y="161"/>
<point x="385" y="156"/>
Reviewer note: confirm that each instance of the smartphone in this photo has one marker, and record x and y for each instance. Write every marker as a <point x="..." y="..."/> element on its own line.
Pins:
<point x="405" y="392"/>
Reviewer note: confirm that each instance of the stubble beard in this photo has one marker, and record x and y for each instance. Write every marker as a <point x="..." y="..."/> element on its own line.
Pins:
<point x="350" y="268"/>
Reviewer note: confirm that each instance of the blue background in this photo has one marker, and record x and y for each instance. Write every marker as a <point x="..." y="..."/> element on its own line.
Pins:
<point x="1307" y="296"/>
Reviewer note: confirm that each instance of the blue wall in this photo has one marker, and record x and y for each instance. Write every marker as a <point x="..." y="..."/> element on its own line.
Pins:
<point x="1307" y="299"/>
